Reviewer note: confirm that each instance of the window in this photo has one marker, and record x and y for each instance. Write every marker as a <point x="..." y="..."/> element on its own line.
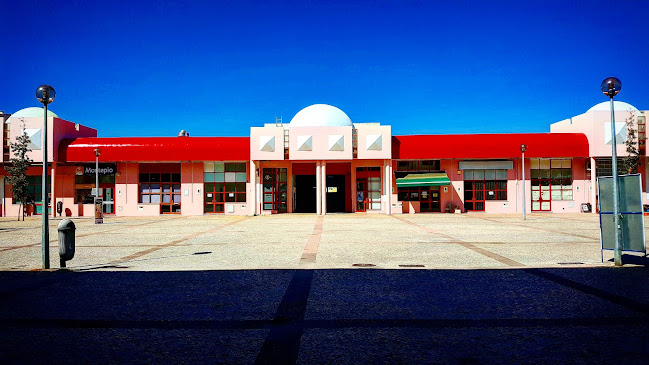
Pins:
<point x="428" y="196"/>
<point x="6" y="138"/>
<point x="160" y="184"/>
<point x="225" y="182"/>
<point x="35" y="193"/>
<point x="483" y="185"/>
<point x="34" y="190"/>
<point x="418" y="165"/>
<point x="551" y="177"/>
<point x="604" y="167"/>
<point x="83" y="185"/>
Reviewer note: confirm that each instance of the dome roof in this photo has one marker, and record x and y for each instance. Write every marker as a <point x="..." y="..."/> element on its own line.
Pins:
<point x="617" y="105"/>
<point x="32" y="112"/>
<point x="320" y="115"/>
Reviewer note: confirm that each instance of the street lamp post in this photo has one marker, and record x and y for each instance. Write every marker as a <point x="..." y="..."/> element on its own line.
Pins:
<point x="97" y="153"/>
<point x="45" y="94"/>
<point x="523" y="148"/>
<point x="611" y="86"/>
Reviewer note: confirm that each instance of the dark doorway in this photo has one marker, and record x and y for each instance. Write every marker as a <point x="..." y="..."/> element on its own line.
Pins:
<point x="335" y="193"/>
<point x="305" y="193"/>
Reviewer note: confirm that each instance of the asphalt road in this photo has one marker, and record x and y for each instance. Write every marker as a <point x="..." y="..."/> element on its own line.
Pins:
<point x="368" y="315"/>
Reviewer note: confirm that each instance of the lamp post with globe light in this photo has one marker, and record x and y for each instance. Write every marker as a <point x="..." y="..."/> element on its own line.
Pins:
<point x="611" y="86"/>
<point x="45" y="94"/>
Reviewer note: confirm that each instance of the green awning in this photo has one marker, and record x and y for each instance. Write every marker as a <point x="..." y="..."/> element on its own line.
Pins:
<point x="432" y="179"/>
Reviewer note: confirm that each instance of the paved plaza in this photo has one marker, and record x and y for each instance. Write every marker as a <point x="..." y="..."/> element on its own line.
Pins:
<point x="431" y="241"/>
<point x="429" y="288"/>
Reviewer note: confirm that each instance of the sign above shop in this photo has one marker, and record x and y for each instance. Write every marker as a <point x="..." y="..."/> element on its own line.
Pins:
<point x="104" y="169"/>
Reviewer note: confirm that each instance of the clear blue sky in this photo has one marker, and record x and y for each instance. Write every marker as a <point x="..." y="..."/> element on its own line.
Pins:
<point x="216" y="68"/>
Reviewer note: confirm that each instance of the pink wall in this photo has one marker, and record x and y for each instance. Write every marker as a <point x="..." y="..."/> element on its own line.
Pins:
<point x="192" y="195"/>
<point x="57" y="130"/>
<point x="592" y="124"/>
<point x="257" y="133"/>
<point x="386" y="133"/>
<point x="320" y="139"/>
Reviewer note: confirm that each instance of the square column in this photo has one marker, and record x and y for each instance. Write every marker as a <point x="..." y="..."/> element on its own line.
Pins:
<point x="593" y="185"/>
<point x="354" y="201"/>
<point x="252" y="191"/>
<point x="323" y="172"/>
<point x="387" y="185"/>
<point x="318" y="188"/>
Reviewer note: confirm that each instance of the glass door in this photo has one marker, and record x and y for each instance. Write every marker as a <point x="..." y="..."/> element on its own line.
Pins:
<point x="275" y="193"/>
<point x="109" y="200"/>
<point x="474" y="198"/>
<point x="361" y="195"/>
<point x="541" y="197"/>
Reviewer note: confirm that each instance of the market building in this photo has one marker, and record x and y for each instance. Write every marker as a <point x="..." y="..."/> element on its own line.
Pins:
<point x="322" y="162"/>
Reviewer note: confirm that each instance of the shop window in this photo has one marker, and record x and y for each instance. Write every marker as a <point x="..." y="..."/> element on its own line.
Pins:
<point x="483" y="185"/>
<point x="225" y="182"/>
<point x="427" y="196"/>
<point x="160" y="184"/>
<point x="551" y="179"/>
<point x="83" y="185"/>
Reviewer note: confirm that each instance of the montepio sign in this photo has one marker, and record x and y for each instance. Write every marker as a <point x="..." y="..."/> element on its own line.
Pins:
<point x="104" y="169"/>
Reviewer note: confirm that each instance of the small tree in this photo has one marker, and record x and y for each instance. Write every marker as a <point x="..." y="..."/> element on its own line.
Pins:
<point x="18" y="170"/>
<point x="632" y="159"/>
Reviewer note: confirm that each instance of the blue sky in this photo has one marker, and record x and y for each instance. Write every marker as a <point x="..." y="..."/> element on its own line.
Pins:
<point x="216" y="68"/>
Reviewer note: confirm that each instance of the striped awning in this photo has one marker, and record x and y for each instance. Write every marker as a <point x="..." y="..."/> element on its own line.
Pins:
<point x="432" y="179"/>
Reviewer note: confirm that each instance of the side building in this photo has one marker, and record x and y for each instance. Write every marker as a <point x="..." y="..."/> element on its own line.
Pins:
<point x="321" y="162"/>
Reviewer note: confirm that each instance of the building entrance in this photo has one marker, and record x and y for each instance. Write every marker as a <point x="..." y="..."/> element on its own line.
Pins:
<point x="336" y="193"/>
<point x="305" y="193"/>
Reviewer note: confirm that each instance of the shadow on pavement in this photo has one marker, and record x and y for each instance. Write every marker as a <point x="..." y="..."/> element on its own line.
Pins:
<point x="326" y="316"/>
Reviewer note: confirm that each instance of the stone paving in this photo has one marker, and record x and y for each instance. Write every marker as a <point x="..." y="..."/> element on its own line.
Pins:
<point x="484" y="289"/>
<point x="306" y="241"/>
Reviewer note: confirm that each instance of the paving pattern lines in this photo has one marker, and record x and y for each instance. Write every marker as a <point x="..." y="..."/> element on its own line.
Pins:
<point x="600" y="293"/>
<point x="53" y="233"/>
<point x="491" y="255"/>
<point x="311" y="248"/>
<point x="172" y="243"/>
<point x="530" y="226"/>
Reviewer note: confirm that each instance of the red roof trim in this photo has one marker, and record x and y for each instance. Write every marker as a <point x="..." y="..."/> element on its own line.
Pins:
<point x="539" y="145"/>
<point x="157" y="149"/>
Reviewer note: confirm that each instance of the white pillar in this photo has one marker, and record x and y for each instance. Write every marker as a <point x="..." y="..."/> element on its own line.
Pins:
<point x="258" y="189"/>
<point x="323" y="172"/>
<point x="386" y="188"/>
<point x="318" y="188"/>
<point x="593" y="185"/>
<point x="252" y="192"/>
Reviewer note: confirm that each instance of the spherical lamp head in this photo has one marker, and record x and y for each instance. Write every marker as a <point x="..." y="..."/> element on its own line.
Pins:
<point x="45" y="94"/>
<point x="611" y="86"/>
<point x="523" y="147"/>
<point x="97" y="152"/>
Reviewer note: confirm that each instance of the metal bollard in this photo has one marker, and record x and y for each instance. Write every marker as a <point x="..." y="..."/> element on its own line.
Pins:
<point x="66" y="241"/>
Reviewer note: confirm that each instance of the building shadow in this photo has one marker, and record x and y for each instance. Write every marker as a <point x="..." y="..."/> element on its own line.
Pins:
<point x="326" y="316"/>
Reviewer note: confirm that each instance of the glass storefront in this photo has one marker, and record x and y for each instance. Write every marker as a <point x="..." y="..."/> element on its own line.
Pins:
<point x="225" y="182"/>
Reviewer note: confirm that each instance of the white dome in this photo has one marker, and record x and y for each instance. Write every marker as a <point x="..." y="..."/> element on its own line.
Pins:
<point x="320" y="115"/>
<point x="32" y="112"/>
<point x="617" y="106"/>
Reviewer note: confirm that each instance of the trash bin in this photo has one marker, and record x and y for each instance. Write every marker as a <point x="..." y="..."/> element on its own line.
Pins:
<point x="66" y="240"/>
